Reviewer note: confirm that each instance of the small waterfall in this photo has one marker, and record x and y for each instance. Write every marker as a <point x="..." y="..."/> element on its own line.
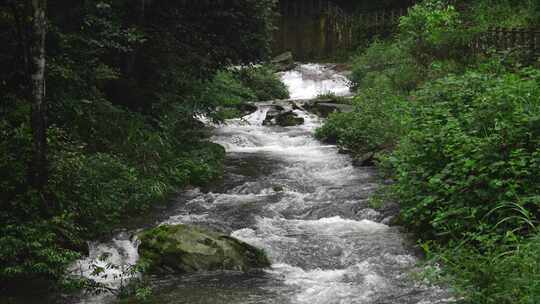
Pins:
<point x="310" y="80"/>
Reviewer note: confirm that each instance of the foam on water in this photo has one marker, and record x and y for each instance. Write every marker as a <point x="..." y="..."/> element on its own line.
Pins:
<point x="303" y="203"/>
<point x="310" y="80"/>
<point x="121" y="253"/>
<point x="355" y="284"/>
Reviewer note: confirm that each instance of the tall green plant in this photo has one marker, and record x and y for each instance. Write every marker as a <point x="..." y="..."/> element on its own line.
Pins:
<point x="433" y="30"/>
<point x="473" y="145"/>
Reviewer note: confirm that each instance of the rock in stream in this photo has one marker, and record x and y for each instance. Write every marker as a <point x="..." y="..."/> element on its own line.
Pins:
<point x="185" y="249"/>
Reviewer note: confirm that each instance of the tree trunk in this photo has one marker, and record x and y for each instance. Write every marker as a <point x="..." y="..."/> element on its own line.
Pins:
<point x="36" y="51"/>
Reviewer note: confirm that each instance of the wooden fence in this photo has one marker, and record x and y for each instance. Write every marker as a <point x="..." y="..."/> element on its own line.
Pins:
<point x="387" y="18"/>
<point x="499" y="39"/>
<point x="320" y="28"/>
<point x="312" y="29"/>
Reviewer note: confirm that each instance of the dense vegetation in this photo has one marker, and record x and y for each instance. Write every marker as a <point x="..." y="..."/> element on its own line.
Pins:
<point x="459" y="133"/>
<point x="115" y="131"/>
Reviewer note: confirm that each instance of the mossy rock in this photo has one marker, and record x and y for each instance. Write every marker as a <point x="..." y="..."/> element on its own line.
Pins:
<point x="289" y="119"/>
<point x="184" y="249"/>
<point x="284" y="119"/>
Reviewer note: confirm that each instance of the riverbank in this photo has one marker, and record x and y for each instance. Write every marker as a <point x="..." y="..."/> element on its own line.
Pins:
<point x="138" y="169"/>
<point x="457" y="132"/>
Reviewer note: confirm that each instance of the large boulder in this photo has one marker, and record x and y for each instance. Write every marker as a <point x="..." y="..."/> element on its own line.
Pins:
<point x="184" y="249"/>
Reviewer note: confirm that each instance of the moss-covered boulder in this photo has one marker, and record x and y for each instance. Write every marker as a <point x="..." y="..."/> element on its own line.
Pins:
<point x="183" y="249"/>
<point x="289" y="119"/>
<point x="283" y="118"/>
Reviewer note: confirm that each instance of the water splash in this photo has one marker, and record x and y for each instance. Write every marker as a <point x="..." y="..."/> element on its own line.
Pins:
<point x="310" y="80"/>
<point x="305" y="205"/>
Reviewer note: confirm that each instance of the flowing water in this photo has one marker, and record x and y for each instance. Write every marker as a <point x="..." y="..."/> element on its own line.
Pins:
<point x="301" y="201"/>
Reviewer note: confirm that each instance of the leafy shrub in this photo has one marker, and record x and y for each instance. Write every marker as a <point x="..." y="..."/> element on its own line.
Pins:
<point x="473" y="149"/>
<point x="389" y="63"/>
<point x="379" y="119"/>
<point x="501" y="13"/>
<point x="90" y="191"/>
<point x="433" y="30"/>
<point x="33" y="250"/>
<point x="227" y="89"/>
<point x="230" y="90"/>
<point x="97" y="189"/>
<point x="264" y="83"/>
<point x="86" y="120"/>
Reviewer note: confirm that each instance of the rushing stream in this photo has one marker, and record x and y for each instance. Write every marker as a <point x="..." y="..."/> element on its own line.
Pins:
<point x="301" y="201"/>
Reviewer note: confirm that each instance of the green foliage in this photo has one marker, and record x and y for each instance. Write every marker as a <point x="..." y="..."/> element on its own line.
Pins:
<point x="473" y="144"/>
<point x="230" y="91"/>
<point x="388" y="63"/>
<point x="124" y="85"/>
<point x="505" y="274"/>
<point x="502" y="13"/>
<point x="92" y="191"/>
<point x="380" y="117"/>
<point x="33" y="250"/>
<point x="227" y="89"/>
<point x="464" y="142"/>
<point x="433" y="30"/>
<point x="189" y="43"/>
<point x="264" y="83"/>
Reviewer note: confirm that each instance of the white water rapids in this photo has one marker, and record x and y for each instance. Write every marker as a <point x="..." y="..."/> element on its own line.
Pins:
<point x="304" y="204"/>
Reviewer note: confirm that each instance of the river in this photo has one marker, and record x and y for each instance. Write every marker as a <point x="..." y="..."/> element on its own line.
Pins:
<point x="304" y="204"/>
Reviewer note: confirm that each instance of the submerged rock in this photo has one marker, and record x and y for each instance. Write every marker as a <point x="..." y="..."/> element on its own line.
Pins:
<point x="273" y="112"/>
<point x="288" y="119"/>
<point x="282" y="118"/>
<point x="183" y="249"/>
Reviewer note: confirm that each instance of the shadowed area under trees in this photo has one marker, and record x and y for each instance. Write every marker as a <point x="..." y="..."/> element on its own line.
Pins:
<point x="98" y="100"/>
